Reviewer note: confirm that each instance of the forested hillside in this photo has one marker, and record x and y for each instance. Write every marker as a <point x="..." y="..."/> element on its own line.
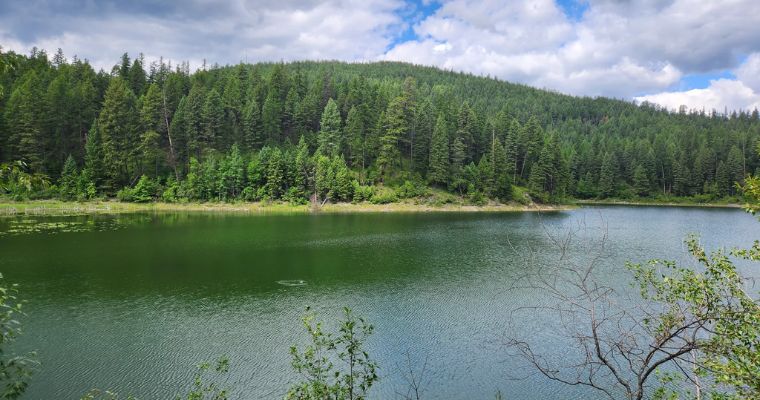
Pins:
<point x="345" y="132"/>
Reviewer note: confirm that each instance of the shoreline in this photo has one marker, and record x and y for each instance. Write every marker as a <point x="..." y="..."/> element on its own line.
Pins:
<point x="70" y="208"/>
<point x="64" y="208"/>
<point x="655" y="204"/>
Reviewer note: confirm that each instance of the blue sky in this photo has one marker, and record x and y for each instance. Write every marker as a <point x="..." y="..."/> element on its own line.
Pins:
<point x="701" y="54"/>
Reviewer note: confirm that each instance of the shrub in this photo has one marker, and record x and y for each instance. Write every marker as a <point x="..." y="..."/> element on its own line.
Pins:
<point x="412" y="189"/>
<point x="145" y="190"/>
<point x="383" y="195"/>
<point x="362" y="192"/>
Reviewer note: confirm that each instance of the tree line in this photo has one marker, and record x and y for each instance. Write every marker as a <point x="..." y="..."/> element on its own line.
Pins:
<point x="333" y="131"/>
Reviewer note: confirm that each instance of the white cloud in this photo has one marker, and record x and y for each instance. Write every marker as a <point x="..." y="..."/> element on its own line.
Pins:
<point x="749" y="72"/>
<point x="742" y="93"/>
<point x="721" y="94"/>
<point x="618" y="48"/>
<point x="262" y="30"/>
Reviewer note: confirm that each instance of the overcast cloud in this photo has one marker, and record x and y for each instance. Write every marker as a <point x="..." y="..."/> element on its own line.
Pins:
<point x="632" y="49"/>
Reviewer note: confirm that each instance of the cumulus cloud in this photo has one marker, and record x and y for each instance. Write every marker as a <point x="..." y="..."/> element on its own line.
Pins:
<point x="224" y="32"/>
<point x="617" y="48"/>
<point x="742" y="93"/>
<point x="621" y="48"/>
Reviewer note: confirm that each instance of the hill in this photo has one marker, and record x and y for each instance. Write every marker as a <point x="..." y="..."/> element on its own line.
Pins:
<point x="345" y="131"/>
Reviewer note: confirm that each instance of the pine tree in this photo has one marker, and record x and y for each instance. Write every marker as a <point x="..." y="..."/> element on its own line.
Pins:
<point x="532" y="137"/>
<point x="118" y="123"/>
<point x="511" y="145"/>
<point x="735" y="166"/>
<point x="458" y="156"/>
<point x="253" y="129"/>
<point x="232" y="100"/>
<point x="67" y="184"/>
<point x="303" y="168"/>
<point x="213" y="120"/>
<point x="502" y="178"/>
<point x="93" y="157"/>
<point x="485" y="182"/>
<point x="640" y="181"/>
<point x="342" y="189"/>
<point x="275" y="175"/>
<point x="681" y="177"/>
<point x="24" y="124"/>
<point x="355" y="138"/>
<point x="438" y="172"/>
<point x="151" y="112"/>
<point x="271" y="116"/>
<point x="194" y="129"/>
<point x="329" y="138"/>
<point x="723" y="179"/>
<point x="324" y="177"/>
<point x="394" y="127"/>
<point x="466" y="129"/>
<point x="607" y="176"/>
<point x="137" y="79"/>
<point x="289" y="112"/>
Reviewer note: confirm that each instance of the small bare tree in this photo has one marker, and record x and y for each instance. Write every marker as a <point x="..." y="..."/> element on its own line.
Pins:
<point x="416" y="379"/>
<point x="619" y="344"/>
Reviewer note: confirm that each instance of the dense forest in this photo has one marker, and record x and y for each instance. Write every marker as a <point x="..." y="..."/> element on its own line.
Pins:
<point x="333" y="131"/>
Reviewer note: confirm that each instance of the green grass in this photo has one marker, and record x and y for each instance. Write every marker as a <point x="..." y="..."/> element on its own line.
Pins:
<point x="437" y="202"/>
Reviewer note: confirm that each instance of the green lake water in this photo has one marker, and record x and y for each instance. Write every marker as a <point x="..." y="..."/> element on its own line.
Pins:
<point x="132" y="302"/>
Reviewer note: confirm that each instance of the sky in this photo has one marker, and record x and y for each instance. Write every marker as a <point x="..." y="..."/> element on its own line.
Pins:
<point x="704" y="54"/>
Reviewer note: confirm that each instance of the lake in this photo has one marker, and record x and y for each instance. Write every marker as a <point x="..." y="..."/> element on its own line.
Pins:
<point x="133" y="302"/>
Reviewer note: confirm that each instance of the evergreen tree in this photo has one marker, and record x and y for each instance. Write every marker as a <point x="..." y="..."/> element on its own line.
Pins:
<point x="546" y="174"/>
<point x="213" y="120"/>
<point x="342" y="189"/>
<point x="232" y="100"/>
<point x="275" y="187"/>
<point x="395" y="126"/>
<point x="681" y="177"/>
<point x="67" y="184"/>
<point x="355" y="138"/>
<point x="24" y="124"/>
<point x="253" y="129"/>
<point x="458" y="156"/>
<point x="466" y="129"/>
<point x="324" y="177"/>
<point x="118" y="124"/>
<point x="511" y="149"/>
<point x="532" y="139"/>
<point x="271" y="116"/>
<point x="303" y="168"/>
<point x="438" y="172"/>
<point x="137" y="78"/>
<point x="607" y="176"/>
<point x="502" y="178"/>
<point x="329" y="131"/>
<point x="289" y="112"/>
<point x="640" y="181"/>
<point x="735" y="167"/>
<point x="723" y="179"/>
<point x="93" y="158"/>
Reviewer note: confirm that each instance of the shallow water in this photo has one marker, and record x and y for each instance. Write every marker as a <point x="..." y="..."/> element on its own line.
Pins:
<point x="132" y="302"/>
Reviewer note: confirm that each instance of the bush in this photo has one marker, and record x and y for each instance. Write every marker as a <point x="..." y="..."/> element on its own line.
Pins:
<point x="362" y="192"/>
<point x="384" y="195"/>
<point x="295" y="196"/>
<point x="172" y="192"/>
<point x="412" y="189"/>
<point x="145" y="190"/>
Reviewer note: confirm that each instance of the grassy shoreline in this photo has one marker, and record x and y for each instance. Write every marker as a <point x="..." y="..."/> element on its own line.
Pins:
<point x="63" y="208"/>
<point x="55" y="207"/>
